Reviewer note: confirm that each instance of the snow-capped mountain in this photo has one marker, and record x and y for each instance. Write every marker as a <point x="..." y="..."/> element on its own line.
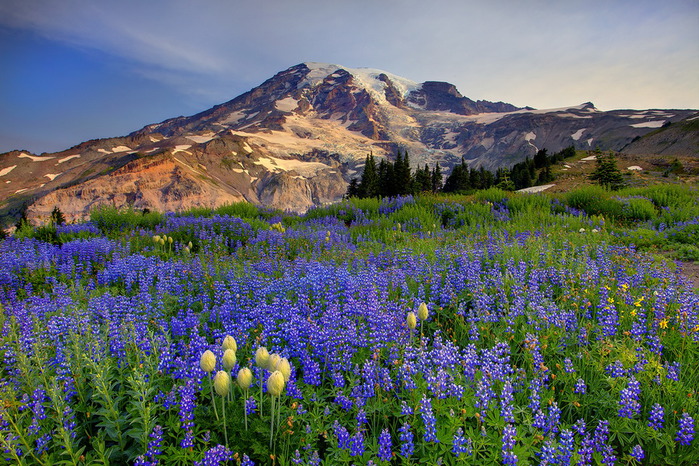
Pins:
<point x="297" y="139"/>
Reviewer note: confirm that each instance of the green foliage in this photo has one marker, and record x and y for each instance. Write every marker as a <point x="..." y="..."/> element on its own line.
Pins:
<point x="111" y="220"/>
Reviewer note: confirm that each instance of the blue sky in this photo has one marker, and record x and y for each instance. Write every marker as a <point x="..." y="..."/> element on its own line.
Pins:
<point x="74" y="70"/>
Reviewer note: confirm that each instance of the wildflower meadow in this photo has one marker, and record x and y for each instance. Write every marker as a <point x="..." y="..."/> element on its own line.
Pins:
<point x="494" y="328"/>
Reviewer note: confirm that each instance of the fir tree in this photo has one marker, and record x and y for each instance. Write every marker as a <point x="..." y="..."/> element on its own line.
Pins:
<point x="57" y="217"/>
<point x="369" y="186"/>
<point x="437" y="182"/>
<point x="607" y="173"/>
<point x="353" y="188"/>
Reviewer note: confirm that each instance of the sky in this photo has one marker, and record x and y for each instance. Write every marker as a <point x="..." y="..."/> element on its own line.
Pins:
<point x="73" y="70"/>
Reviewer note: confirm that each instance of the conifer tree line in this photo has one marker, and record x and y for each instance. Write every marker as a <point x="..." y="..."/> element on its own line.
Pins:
<point x="388" y="179"/>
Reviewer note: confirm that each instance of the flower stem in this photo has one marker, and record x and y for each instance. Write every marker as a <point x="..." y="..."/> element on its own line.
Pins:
<point x="213" y="399"/>
<point x="223" y="408"/>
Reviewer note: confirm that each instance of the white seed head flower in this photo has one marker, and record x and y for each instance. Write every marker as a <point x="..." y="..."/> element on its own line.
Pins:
<point x="275" y="383"/>
<point x="229" y="359"/>
<point x="229" y="343"/>
<point x="262" y="357"/>
<point x="222" y="383"/>
<point x="272" y="362"/>
<point x="284" y="367"/>
<point x="411" y="320"/>
<point x="207" y="362"/>
<point x="244" y="378"/>
<point x="422" y="312"/>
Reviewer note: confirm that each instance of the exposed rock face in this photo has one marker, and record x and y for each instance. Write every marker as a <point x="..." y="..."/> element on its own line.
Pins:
<point x="297" y="139"/>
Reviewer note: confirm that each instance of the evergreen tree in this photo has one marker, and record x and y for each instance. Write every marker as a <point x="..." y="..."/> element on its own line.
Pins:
<point x="401" y="172"/>
<point x="607" y="173"/>
<point x="541" y="159"/>
<point x="487" y="178"/>
<point x="458" y="180"/>
<point x="23" y="220"/>
<point x="422" y="181"/>
<point x="437" y="182"/>
<point x="545" y="176"/>
<point x="503" y="180"/>
<point x="57" y="217"/>
<point x="386" y="181"/>
<point x="369" y="186"/>
<point x="353" y="188"/>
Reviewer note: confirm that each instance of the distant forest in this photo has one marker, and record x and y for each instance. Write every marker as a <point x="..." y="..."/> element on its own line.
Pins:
<point x="388" y="179"/>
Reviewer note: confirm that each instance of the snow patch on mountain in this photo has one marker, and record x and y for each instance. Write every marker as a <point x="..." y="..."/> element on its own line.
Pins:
<point x="182" y="148"/>
<point x="7" y="170"/>
<point x="299" y="166"/>
<point x="33" y="158"/>
<point x="578" y="134"/>
<point x="70" y="157"/>
<point x="52" y="176"/>
<point x="649" y="124"/>
<point x="200" y="139"/>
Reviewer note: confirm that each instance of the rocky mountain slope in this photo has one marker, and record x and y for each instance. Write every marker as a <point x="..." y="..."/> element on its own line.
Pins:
<point x="297" y="139"/>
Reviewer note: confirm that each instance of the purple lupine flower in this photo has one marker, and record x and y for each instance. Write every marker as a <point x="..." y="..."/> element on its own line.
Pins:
<point x="568" y="366"/>
<point x="509" y="440"/>
<point x="406" y="441"/>
<point x="405" y="409"/>
<point x="314" y="460"/>
<point x="685" y="434"/>
<point x="215" y="456"/>
<point x="629" y="406"/>
<point x="385" y="453"/>
<point x="565" y="448"/>
<point x="356" y="445"/>
<point x="344" y="402"/>
<point x="637" y="453"/>
<point x="656" y="419"/>
<point x="673" y="370"/>
<point x="553" y="419"/>
<point x="580" y="387"/>
<point x="250" y="406"/>
<point x="506" y="400"/>
<point x="150" y="458"/>
<point x="616" y="369"/>
<point x="429" y="420"/>
<point x="343" y="438"/>
<point x="585" y="451"/>
<point x="548" y="453"/>
<point x="539" y="420"/>
<point x="601" y="434"/>
<point x="247" y="461"/>
<point x="297" y="458"/>
<point x="361" y="418"/>
<point x="461" y="444"/>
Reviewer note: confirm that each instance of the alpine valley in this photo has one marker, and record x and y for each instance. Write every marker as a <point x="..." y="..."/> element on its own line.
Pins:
<point x="297" y="140"/>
